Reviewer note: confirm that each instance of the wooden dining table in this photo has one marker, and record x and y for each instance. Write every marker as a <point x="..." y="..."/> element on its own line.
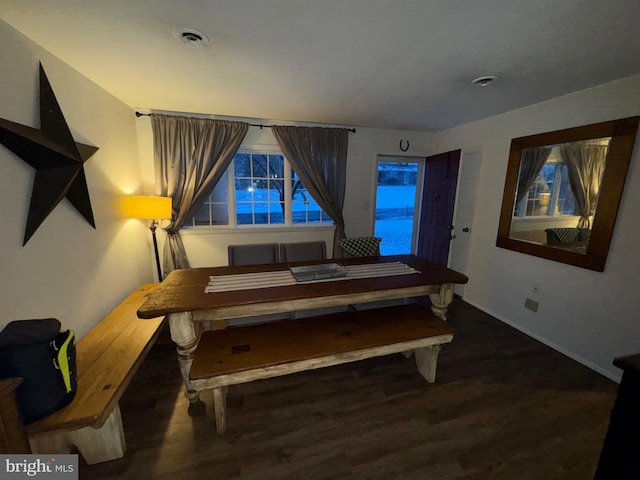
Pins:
<point x="269" y="289"/>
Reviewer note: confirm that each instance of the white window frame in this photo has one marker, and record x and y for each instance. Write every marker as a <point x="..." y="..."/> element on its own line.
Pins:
<point x="231" y="200"/>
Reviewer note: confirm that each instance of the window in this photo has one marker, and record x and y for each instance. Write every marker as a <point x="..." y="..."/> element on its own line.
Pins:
<point x="304" y="209"/>
<point x="550" y="194"/>
<point x="260" y="188"/>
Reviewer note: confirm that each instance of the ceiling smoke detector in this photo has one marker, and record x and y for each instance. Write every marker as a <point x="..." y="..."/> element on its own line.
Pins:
<point x="484" y="81"/>
<point x="193" y="37"/>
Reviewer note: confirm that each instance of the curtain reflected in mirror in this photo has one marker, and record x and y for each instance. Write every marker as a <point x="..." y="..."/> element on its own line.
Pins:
<point x="563" y="190"/>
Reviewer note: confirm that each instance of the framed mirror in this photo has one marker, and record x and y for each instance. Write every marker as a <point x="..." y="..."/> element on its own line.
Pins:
<point x="563" y="190"/>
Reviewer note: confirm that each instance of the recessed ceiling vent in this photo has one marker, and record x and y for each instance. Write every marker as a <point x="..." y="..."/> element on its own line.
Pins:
<point x="193" y="37"/>
<point x="485" y="80"/>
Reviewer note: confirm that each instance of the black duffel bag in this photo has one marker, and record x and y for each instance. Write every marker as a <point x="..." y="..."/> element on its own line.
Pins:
<point x="45" y="358"/>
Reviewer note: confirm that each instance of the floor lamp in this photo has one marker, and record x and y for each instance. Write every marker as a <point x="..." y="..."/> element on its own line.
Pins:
<point x="150" y="208"/>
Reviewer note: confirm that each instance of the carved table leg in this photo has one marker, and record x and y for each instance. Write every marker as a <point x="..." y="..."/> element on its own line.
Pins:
<point x="441" y="300"/>
<point x="185" y="333"/>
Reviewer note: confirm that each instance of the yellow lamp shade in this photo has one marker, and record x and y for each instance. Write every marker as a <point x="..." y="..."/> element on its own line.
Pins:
<point x="147" y="208"/>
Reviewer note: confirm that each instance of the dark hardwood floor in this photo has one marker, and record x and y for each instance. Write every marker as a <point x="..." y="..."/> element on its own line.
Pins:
<point x="504" y="406"/>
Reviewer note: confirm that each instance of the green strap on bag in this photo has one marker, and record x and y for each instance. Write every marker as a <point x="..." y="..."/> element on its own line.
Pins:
<point x="63" y="347"/>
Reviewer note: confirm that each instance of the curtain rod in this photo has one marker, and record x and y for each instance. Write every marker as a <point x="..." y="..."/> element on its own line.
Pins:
<point x="138" y="114"/>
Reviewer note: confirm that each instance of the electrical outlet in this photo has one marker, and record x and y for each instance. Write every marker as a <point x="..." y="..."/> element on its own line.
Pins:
<point x="531" y="305"/>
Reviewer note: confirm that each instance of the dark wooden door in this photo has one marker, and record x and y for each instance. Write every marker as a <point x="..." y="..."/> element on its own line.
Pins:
<point x="438" y="200"/>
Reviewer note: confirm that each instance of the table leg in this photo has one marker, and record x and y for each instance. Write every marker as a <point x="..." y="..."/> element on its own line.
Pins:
<point x="186" y="334"/>
<point x="441" y="300"/>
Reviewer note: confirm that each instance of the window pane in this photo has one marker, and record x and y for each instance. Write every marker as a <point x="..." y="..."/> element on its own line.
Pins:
<point x="276" y="191"/>
<point x="242" y="165"/>
<point x="219" y="214"/>
<point x="244" y="194"/>
<point x="260" y="213"/>
<point x="260" y="167"/>
<point x="276" y="210"/>
<point x="566" y="200"/>
<point x="220" y="192"/>
<point x="202" y="216"/>
<point x="215" y="210"/>
<point x="260" y="191"/>
<point x="276" y="166"/>
<point x="244" y="189"/>
<point x="540" y="191"/>
<point x="265" y="213"/>
<point x="245" y="217"/>
<point x="219" y="202"/>
<point x="304" y="208"/>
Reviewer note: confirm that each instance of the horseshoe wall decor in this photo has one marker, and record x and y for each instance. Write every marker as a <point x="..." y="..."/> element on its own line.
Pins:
<point x="404" y="149"/>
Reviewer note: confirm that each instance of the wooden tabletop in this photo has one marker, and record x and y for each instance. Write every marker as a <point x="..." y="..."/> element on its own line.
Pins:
<point x="183" y="290"/>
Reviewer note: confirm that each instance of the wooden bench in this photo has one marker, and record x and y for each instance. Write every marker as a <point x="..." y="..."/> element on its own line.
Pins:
<point x="106" y="359"/>
<point x="13" y="438"/>
<point x="243" y="354"/>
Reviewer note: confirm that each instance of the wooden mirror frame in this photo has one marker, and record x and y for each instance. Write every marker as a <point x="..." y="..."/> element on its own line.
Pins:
<point x="623" y="135"/>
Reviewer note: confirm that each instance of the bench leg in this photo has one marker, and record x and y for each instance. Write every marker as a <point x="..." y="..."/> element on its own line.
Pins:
<point x="102" y="444"/>
<point x="220" y="408"/>
<point x="426" y="361"/>
<point x="95" y="444"/>
<point x="50" y="444"/>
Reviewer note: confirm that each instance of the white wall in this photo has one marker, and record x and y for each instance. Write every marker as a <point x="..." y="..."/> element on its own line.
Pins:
<point x="590" y="316"/>
<point x="208" y="246"/>
<point x="68" y="270"/>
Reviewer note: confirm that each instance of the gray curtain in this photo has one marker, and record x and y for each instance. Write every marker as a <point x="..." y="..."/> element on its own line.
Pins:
<point x="585" y="165"/>
<point x="319" y="157"/>
<point x="531" y="162"/>
<point x="191" y="155"/>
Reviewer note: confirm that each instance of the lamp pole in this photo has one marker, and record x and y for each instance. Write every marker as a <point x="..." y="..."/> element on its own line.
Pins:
<point x="152" y="227"/>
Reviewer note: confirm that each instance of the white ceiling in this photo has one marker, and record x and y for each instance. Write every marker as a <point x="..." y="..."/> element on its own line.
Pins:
<point x="399" y="64"/>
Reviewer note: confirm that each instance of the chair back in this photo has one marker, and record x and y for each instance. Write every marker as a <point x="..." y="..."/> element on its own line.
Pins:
<point x="303" y="251"/>
<point x="360" y="247"/>
<point x="256" y="254"/>
<point x="556" y="236"/>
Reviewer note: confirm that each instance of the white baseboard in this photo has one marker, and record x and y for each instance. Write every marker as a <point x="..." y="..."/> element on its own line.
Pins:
<point x="616" y="377"/>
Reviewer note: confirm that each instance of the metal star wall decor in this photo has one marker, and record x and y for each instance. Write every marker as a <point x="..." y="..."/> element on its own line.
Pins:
<point x="56" y="156"/>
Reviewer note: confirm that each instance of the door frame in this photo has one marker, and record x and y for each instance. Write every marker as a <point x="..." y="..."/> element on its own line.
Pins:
<point x="464" y="168"/>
